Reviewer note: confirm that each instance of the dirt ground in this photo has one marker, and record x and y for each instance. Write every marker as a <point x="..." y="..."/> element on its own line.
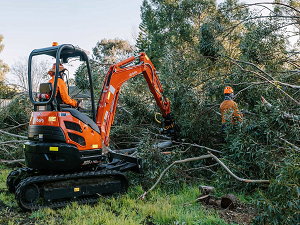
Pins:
<point x="242" y="214"/>
<point x="13" y="214"/>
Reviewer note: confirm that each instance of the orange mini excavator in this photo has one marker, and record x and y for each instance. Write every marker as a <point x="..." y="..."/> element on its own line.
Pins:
<point x="66" y="148"/>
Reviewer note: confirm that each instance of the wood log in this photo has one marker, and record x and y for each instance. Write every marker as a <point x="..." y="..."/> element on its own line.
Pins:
<point x="228" y="201"/>
<point x="205" y="190"/>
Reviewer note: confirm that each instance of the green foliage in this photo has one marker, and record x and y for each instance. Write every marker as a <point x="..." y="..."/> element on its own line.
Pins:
<point x="208" y="45"/>
<point x="270" y="44"/>
<point x="154" y="163"/>
<point x="7" y="92"/>
<point x="280" y="203"/>
<point x="170" y="24"/>
<point x="256" y="147"/>
<point x="3" y="66"/>
<point x="112" y="51"/>
<point x="82" y="79"/>
<point x="251" y="52"/>
<point x="17" y="112"/>
<point x="14" y="119"/>
<point x="105" y="53"/>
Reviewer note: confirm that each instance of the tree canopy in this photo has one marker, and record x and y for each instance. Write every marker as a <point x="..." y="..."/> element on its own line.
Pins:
<point x="199" y="48"/>
<point x="3" y="66"/>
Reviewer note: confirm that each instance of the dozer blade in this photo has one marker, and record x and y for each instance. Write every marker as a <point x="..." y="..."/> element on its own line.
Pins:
<point x="124" y="163"/>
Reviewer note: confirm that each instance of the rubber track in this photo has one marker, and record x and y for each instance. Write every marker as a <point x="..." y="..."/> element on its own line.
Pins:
<point x="62" y="177"/>
<point x="14" y="175"/>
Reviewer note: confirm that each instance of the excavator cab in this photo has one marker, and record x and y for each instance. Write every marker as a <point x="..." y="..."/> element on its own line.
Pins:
<point x="60" y="138"/>
<point x="62" y="54"/>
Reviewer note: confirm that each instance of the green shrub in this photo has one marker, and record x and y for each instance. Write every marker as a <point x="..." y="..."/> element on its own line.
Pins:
<point x="16" y="113"/>
<point x="280" y="203"/>
<point x="14" y="119"/>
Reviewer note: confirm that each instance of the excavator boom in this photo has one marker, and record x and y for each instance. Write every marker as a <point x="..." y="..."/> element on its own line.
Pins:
<point x="116" y="76"/>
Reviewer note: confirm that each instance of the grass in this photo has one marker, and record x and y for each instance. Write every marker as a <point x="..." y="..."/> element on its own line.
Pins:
<point x="127" y="209"/>
<point x="157" y="208"/>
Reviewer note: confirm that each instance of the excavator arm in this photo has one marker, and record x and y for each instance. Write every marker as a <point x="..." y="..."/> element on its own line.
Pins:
<point x="116" y="76"/>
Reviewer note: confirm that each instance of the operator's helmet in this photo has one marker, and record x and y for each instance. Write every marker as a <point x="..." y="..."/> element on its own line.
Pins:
<point x="228" y="90"/>
<point x="52" y="71"/>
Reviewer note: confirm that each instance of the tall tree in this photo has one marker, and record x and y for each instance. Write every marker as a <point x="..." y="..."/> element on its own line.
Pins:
<point x="112" y="50"/>
<point x="39" y="71"/>
<point x="237" y="45"/>
<point x="3" y="66"/>
<point x="171" y="25"/>
<point x="105" y="53"/>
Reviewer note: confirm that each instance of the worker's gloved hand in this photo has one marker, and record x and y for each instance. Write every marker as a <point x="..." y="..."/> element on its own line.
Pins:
<point x="79" y="105"/>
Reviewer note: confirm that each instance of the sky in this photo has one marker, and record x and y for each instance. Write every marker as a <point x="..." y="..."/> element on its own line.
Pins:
<point x="31" y="24"/>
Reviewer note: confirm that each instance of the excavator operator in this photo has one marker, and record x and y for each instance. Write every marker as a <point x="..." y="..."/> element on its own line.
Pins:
<point x="62" y="95"/>
<point x="229" y="109"/>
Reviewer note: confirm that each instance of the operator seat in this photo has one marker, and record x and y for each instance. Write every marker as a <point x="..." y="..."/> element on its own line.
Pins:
<point x="82" y="117"/>
<point x="46" y="88"/>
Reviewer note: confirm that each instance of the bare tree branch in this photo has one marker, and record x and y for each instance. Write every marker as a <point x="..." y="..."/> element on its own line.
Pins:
<point x="15" y="141"/>
<point x="199" y="146"/>
<point x="268" y="3"/>
<point x="20" y="125"/>
<point x="14" y="135"/>
<point x="12" y="161"/>
<point x="289" y="143"/>
<point x="210" y="155"/>
<point x="288" y="115"/>
<point x="274" y="83"/>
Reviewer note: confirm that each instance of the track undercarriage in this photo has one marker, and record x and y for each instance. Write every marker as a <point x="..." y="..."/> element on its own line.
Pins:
<point x="35" y="189"/>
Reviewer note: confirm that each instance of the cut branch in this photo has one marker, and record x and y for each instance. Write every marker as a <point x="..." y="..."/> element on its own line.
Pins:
<point x="273" y="82"/>
<point x="12" y="161"/>
<point x="289" y="143"/>
<point x="20" y="125"/>
<point x="16" y="141"/>
<point x="14" y="135"/>
<point x="199" y="146"/>
<point x="287" y="115"/>
<point x="210" y="155"/>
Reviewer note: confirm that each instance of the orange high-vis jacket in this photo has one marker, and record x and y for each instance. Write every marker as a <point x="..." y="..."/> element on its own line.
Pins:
<point x="227" y="107"/>
<point x="62" y="88"/>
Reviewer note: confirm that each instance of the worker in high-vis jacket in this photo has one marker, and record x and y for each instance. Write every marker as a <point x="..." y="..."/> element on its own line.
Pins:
<point x="61" y="94"/>
<point x="229" y="109"/>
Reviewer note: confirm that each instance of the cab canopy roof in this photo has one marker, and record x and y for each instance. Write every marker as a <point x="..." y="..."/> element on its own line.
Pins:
<point x="63" y="51"/>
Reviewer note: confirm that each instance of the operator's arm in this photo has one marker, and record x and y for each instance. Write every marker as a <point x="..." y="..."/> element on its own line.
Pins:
<point x="62" y="87"/>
